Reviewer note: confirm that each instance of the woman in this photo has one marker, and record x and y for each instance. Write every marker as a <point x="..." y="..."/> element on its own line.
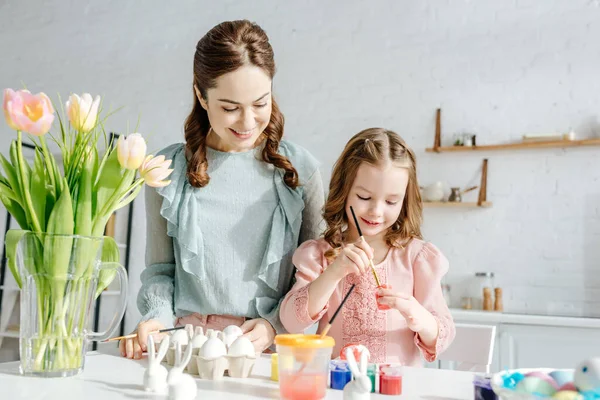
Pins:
<point x="221" y="235"/>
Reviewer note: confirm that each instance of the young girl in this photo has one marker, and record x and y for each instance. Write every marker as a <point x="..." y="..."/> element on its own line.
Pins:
<point x="376" y="176"/>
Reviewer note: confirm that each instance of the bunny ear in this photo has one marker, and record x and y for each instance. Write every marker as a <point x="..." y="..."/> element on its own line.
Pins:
<point x="363" y="362"/>
<point x="187" y="356"/>
<point x="164" y="346"/>
<point x="178" y="355"/>
<point x="352" y="362"/>
<point x="151" y="348"/>
<point x="198" y="331"/>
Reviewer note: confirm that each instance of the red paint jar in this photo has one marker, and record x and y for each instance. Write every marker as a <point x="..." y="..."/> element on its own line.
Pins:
<point x="390" y="379"/>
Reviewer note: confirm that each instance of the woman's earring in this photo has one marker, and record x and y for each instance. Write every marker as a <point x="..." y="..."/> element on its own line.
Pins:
<point x="396" y="226"/>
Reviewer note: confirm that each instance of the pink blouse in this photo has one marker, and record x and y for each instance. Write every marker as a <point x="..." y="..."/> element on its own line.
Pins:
<point x="416" y="269"/>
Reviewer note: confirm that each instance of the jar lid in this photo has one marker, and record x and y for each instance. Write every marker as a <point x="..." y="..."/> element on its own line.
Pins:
<point x="486" y="274"/>
<point x="304" y="341"/>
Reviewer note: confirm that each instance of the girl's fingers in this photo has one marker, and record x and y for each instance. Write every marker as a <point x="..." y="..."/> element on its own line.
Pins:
<point x="355" y="258"/>
<point x="364" y="246"/>
<point x="385" y="303"/>
<point x="388" y="292"/>
<point x="365" y="262"/>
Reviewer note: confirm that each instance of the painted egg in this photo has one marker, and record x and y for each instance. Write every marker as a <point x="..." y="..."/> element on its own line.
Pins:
<point x="213" y="348"/>
<point x="561" y="376"/>
<point x="544" y="376"/>
<point x="242" y="346"/>
<point x="511" y="380"/>
<point x="568" y="386"/>
<point x="567" y="395"/>
<point x="357" y="350"/>
<point x="536" y="386"/>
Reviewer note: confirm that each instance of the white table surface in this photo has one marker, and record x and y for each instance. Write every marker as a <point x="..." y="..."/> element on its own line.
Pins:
<point x="111" y="377"/>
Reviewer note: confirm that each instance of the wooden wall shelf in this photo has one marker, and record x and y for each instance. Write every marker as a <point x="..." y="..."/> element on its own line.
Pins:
<point x="481" y="196"/>
<point x="518" y="145"/>
<point x="531" y="144"/>
<point x="451" y="204"/>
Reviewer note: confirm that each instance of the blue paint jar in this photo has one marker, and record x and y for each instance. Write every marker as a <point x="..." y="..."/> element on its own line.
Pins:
<point x="340" y="374"/>
<point x="483" y="388"/>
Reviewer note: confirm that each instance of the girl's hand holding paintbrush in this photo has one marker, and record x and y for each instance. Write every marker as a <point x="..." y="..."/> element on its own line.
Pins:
<point x="354" y="258"/>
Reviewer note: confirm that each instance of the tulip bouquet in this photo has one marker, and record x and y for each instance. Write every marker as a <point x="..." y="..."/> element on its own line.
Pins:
<point x="57" y="205"/>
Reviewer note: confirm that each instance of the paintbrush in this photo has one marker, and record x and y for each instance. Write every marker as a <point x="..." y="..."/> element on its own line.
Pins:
<point x="328" y="326"/>
<point x="132" y="335"/>
<point x="361" y="235"/>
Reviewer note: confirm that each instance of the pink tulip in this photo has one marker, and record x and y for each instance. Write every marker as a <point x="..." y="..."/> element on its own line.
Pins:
<point x="131" y="151"/>
<point x="155" y="170"/>
<point x="27" y="112"/>
<point x="9" y="96"/>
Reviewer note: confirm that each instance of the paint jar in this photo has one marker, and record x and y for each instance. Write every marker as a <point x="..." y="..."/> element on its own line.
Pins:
<point x="482" y="387"/>
<point x="274" y="367"/>
<point x="390" y="379"/>
<point x="372" y="374"/>
<point x="340" y="374"/>
<point x="303" y="362"/>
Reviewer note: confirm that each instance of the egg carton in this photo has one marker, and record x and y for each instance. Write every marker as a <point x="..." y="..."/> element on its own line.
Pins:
<point x="215" y="353"/>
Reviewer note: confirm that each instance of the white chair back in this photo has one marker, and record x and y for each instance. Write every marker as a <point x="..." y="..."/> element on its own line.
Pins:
<point x="472" y="348"/>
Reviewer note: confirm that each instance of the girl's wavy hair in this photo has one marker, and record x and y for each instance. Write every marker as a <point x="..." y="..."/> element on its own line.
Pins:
<point x="374" y="146"/>
<point x="225" y="48"/>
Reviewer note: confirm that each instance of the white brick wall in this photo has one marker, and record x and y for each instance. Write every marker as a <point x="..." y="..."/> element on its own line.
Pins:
<point x="497" y="68"/>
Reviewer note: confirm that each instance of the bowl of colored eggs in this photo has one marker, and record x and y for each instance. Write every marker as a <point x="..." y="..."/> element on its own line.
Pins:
<point x="533" y="383"/>
<point x="580" y="383"/>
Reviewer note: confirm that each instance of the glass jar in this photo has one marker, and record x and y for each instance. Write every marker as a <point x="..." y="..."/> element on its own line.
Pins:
<point x="483" y="287"/>
<point x="455" y="195"/>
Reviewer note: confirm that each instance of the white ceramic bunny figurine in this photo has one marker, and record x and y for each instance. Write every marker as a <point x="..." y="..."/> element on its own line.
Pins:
<point x="181" y="386"/>
<point x="360" y="387"/>
<point x="155" y="376"/>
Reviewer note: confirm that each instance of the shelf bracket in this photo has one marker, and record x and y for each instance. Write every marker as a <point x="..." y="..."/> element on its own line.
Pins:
<point x="483" y="187"/>
<point x="437" y="142"/>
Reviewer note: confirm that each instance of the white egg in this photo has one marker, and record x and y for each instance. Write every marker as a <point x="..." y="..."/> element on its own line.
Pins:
<point x="213" y="348"/>
<point x="198" y="341"/>
<point x="233" y="330"/>
<point x="242" y="346"/>
<point x="180" y="336"/>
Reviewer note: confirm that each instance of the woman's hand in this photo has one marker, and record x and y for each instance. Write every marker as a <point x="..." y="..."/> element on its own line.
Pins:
<point x="134" y="347"/>
<point x="260" y="332"/>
